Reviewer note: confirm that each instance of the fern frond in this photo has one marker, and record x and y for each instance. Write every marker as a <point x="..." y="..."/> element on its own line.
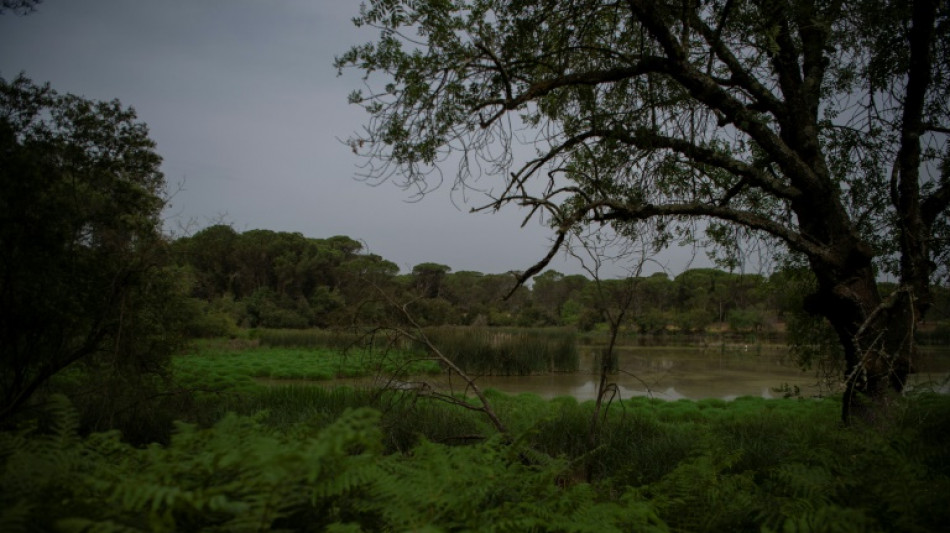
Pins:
<point x="16" y="516"/>
<point x="85" y="525"/>
<point x="64" y="420"/>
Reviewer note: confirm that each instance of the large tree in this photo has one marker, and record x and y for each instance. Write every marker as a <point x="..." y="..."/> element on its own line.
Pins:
<point x="820" y="126"/>
<point x="81" y="197"/>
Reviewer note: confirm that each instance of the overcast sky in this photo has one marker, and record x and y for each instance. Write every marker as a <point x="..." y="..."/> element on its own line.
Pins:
<point x="247" y="110"/>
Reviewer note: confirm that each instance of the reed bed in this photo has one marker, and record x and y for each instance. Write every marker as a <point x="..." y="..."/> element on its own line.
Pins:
<point x="507" y="352"/>
<point x="332" y="339"/>
<point x="482" y="351"/>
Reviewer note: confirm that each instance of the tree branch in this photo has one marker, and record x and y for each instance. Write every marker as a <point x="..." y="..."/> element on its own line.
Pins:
<point x="630" y="212"/>
<point x="915" y="259"/>
<point x="705" y="89"/>
<point x="740" y="76"/>
<point x="936" y="128"/>
<point x="644" y="138"/>
<point x="594" y="77"/>
<point x="537" y="267"/>
<point x="935" y="204"/>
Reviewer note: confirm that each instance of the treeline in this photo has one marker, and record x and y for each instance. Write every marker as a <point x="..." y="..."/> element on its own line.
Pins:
<point x="268" y="279"/>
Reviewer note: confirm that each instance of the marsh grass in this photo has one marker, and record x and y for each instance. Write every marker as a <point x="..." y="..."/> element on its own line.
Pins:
<point x="508" y="352"/>
<point x="333" y="339"/>
<point x="235" y="369"/>
<point x="477" y="350"/>
<point x="405" y="417"/>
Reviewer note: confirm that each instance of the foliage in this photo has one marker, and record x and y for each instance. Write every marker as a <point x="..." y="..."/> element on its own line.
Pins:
<point x="745" y="320"/>
<point x="82" y="276"/>
<point x="235" y="476"/>
<point x="20" y="7"/>
<point x="240" y="475"/>
<point x="280" y="279"/>
<point x="316" y="460"/>
<point x="207" y="320"/>
<point x="342" y="297"/>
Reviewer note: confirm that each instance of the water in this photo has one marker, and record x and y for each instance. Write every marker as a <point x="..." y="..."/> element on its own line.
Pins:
<point x="672" y="373"/>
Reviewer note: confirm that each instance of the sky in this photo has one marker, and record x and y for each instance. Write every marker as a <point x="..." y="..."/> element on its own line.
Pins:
<point x="250" y="115"/>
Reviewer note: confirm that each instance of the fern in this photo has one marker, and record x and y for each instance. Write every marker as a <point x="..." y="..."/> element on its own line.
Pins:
<point x="239" y="476"/>
<point x="243" y="474"/>
<point x="39" y="470"/>
<point x="702" y="495"/>
<point x="827" y="519"/>
<point x="492" y="487"/>
<point x="16" y="516"/>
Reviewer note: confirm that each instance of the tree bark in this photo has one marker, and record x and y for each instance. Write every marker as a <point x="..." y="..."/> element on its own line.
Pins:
<point x="877" y="335"/>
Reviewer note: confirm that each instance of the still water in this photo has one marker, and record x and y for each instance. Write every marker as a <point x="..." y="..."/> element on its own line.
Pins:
<point x="698" y="373"/>
<point x="672" y="373"/>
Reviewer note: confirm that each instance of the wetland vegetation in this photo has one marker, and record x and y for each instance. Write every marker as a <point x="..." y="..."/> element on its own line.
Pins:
<point x="313" y="458"/>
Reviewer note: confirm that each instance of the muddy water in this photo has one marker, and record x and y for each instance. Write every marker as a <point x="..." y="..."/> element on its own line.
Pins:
<point x="672" y="373"/>
<point x="725" y="372"/>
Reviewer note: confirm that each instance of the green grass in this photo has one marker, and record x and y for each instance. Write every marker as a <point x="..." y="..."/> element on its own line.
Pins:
<point x="218" y="367"/>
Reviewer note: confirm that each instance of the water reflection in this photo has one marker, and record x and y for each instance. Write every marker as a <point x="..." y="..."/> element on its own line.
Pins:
<point x="673" y="373"/>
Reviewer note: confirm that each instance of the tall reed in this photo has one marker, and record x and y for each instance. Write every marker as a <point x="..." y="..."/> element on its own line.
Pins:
<point x="478" y="350"/>
<point x="334" y="339"/>
<point x="508" y="352"/>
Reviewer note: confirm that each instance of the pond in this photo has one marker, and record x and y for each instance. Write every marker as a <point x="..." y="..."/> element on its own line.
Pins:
<point x="672" y="373"/>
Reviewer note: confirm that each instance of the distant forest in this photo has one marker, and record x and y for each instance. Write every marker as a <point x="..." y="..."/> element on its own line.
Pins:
<point x="268" y="279"/>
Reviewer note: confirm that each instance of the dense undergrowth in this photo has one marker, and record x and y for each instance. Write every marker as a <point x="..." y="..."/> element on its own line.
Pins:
<point x="312" y="458"/>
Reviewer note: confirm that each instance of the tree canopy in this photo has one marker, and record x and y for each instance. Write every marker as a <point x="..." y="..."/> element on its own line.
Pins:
<point x="819" y="126"/>
<point x="20" y="7"/>
<point x="80" y="205"/>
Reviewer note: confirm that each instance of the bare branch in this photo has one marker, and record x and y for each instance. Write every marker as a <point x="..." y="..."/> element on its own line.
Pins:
<point x="537" y="267"/>
<point x="936" y="128"/>
<point x="420" y="336"/>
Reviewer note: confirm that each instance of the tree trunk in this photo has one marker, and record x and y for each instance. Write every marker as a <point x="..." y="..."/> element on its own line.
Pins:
<point x="877" y="336"/>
